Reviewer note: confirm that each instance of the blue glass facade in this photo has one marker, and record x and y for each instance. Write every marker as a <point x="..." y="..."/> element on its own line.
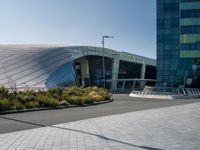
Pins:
<point x="65" y="76"/>
<point x="96" y="69"/>
<point x="126" y="73"/>
<point x="73" y="72"/>
<point x="178" y="48"/>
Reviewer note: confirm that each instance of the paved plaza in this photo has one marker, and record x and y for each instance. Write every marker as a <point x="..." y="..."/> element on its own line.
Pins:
<point x="122" y="104"/>
<point x="175" y="127"/>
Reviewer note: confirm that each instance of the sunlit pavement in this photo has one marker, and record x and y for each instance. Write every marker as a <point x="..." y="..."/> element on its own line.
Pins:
<point x="122" y="104"/>
<point x="176" y="127"/>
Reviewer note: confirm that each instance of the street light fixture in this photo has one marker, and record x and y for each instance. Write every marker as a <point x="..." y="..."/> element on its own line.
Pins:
<point x="104" y="77"/>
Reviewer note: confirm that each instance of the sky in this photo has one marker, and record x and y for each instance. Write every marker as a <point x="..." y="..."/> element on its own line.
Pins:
<point x="81" y="22"/>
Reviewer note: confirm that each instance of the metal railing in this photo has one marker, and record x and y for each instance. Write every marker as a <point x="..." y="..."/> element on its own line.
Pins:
<point x="168" y="91"/>
<point x="128" y="85"/>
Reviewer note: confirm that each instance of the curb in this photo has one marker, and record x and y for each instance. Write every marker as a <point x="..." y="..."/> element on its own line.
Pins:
<point x="53" y="108"/>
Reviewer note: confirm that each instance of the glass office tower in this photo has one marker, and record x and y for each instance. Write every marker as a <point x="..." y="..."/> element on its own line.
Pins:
<point x="178" y="43"/>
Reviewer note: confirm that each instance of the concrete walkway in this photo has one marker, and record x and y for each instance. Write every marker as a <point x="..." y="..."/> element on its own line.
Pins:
<point x="122" y="104"/>
<point x="176" y="128"/>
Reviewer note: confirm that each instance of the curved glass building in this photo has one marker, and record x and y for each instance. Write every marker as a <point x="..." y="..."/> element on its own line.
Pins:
<point x="61" y="66"/>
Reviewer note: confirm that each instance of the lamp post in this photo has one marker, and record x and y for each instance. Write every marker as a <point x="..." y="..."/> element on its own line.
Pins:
<point x="104" y="77"/>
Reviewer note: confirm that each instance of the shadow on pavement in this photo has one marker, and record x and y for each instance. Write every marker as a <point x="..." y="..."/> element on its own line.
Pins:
<point x="69" y="129"/>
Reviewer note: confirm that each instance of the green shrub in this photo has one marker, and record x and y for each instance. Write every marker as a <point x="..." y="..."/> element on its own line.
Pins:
<point x="27" y="98"/>
<point x="56" y="93"/>
<point x="12" y="96"/>
<point x="51" y="98"/>
<point x="4" y="104"/>
<point x="17" y="105"/>
<point x="31" y="104"/>
<point x="21" y="98"/>
<point x="46" y="101"/>
<point x="30" y="93"/>
<point x="65" y="96"/>
<point x="73" y="91"/>
<point x="86" y="100"/>
<point x="78" y="96"/>
<point x="75" y="100"/>
<point x="42" y="99"/>
<point x="104" y="93"/>
<point x="4" y="92"/>
<point x="52" y="102"/>
<point x="32" y="98"/>
<point x="96" y="96"/>
<point x="40" y="92"/>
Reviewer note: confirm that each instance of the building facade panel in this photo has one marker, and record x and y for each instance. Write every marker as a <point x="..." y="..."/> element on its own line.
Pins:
<point x="178" y="49"/>
<point x="51" y="66"/>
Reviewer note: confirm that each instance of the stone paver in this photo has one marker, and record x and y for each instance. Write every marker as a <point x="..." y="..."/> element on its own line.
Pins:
<point x="122" y="103"/>
<point x="170" y="128"/>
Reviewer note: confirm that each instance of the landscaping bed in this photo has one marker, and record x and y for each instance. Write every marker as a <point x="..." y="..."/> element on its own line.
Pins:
<point x="53" y="98"/>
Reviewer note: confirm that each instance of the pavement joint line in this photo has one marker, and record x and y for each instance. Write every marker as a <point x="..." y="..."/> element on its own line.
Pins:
<point x="120" y="114"/>
<point x="122" y="104"/>
<point x="140" y="133"/>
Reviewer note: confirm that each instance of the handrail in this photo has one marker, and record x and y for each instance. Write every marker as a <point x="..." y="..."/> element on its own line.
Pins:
<point x="168" y="91"/>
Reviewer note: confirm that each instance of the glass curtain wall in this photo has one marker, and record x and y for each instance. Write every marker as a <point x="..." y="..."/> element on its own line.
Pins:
<point x="178" y="48"/>
<point x="129" y="70"/>
<point x="150" y="72"/>
<point x="65" y="76"/>
<point x="189" y="40"/>
<point x="96" y="69"/>
<point x="170" y="67"/>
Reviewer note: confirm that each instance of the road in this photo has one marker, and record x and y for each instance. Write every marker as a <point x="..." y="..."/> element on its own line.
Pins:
<point x="121" y="104"/>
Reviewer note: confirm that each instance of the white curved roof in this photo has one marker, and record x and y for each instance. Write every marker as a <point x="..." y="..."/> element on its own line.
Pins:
<point x="32" y="64"/>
